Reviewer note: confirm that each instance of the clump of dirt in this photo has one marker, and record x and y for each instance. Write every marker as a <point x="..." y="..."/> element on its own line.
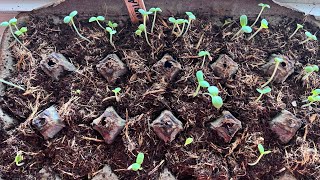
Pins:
<point x="78" y="151"/>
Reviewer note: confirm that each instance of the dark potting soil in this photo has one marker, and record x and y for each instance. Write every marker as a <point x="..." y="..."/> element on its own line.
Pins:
<point x="77" y="152"/>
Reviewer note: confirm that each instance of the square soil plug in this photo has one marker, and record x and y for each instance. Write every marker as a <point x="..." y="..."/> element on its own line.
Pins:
<point x="56" y="65"/>
<point x="111" y="68"/>
<point x="285" y="125"/>
<point x="285" y="69"/>
<point x="224" y="67"/>
<point x="48" y="122"/>
<point x="226" y="126"/>
<point x="109" y="125"/>
<point x="166" y="126"/>
<point x="167" y="68"/>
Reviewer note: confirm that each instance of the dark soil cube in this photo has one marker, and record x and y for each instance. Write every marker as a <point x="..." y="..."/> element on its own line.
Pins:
<point x="56" y="65"/>
<point x="285" y="125"/>
<point x="109" y="125"/>
<point x="226" y="126"/>
<point x="48" y="122"/>
<point x="167" y="68"/>
<point x="112" y="68"/>
<point x="224" y="67"/>
<point x="167" y="126"/>
<point x="285" y="69"/>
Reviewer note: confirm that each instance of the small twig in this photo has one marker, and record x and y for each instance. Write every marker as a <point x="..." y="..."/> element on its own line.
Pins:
<point x="92" y="139"/>
<point x="155" y="168"/>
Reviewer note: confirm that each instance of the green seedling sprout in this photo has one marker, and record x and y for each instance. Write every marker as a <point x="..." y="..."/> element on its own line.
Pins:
<point x="140" y="30"/>
<point x="191" y="17"/>
<point x="263" y="25"/>
<point x="244" y="28"/>
<point x="145" y="16"/>
<point x="299" y="26"/>
<point x="310" y="37"/>
<point x="262" y="92"/>
<point x="313" y="98"/>
<point x="263" y="6"/>
<point x="19" y="158"/>
<point x="112" y="25"/>
<point x="183" y="22"/>
<point x="262" y="152"/>
<point x="69" y="20"/>
<point x="203" y="54"/>
<point x="188" y="141"/>
<point x="18" y="32"/>
<point x="309" y="70"/>
<point x="97" y="19"/>
<point x="216" y="100"/>
<point x="111" y="33"/>
<point x="175" y="24"/>
<point x="11" y="84"/>
<point x="154" y="11"/>
<point x="116" y="93"/>
<point x="277" y="61"/>
<point x="201" y="82"/>
<point x="137" y="165"/>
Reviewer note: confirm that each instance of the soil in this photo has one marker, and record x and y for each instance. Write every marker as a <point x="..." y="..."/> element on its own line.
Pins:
<point x="78" y="151"/>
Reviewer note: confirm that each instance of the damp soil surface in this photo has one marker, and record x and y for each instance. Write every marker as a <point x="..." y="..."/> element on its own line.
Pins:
<point x="78" y="151"/>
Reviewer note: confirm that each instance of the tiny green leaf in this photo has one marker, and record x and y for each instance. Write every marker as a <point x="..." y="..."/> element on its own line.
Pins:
<point x="140" y="158"/>
<point x="317" y="98"/>
<point x="13" y="21"/>
<point x="100" y="18"/>
<point x="108" y="29"/>
<point x="217" y="101"/>
<point x="213" y="90"/>
<point x="67" y="19"/>
<point x="308" y="69"/>
<point x="203" y="53"/>
<point x="116" y="90"/>
<point x="143" y="12"/>
<point x="111" y="24"/>
<point x="172" y="19"/>
<point x="204" y="84"/>
<point x="138" y="32"/>
<point x="243" y="20"/>
<point x="264" y="90"/>
<point x="314" y="37"/>
<point x="315" y="92"/>
<point x="180" y="21"/>
<point x="4" y="24"/>
<point x="18" y="158"/>
<point x="92" y="19"/>
<point x="191" y="15"/>
<point x="299" y="26"/>
<point x="18" y="33"/>
<point x="188" y="141"/>
<point x="246" y="29"/>
<point x="261" y="148"/>
<point x="155" y="10"/>
<point x="315" y="68"/>
<point x="308" y="34"/>
<point x="264" y="5"/>
<point x="113" y="32"/>
<point x="264" y="23"/>
<point x="24" y="29"/>
<point x="200" y="76"/>
<point x="73" y="13"/>
<point x="136" y="166"/>
<point x="278" y="59"/>
<point x="141" y="27"/>
<point x="311" y="98"/>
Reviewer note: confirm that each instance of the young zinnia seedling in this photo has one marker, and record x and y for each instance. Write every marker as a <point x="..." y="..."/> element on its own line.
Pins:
<point x="263" y="25"/>
<point x="145" y="16"/>
<point x="137" y="165"/>
<point x="111" y="33"/>
<point x="191" y="17"/>
<point x="299" y="26"/>
<point x="262" y="92"/>
<point x="116" y="93"/>
<point x="183" y="22"/>
<point x="244" y="27"/>
<point x="203" y="54"/>
<point x="309" y="70"/>
<point x="201" y="83"/>
<point x="216" y="100"/>
<point x="69" y="20"/>
<point x="262" y="152"/>
<point x="19" y="158"/>
<point x="112" y="25"/>
<point x="263" y="6"/>
<point x="313" y="98"/>
<point x="310" y="37"/>
<point x="97" y="19"/>
<point x="277" y="61"/>
<point x="188" y="141"/>
<point x="154" y="11"/>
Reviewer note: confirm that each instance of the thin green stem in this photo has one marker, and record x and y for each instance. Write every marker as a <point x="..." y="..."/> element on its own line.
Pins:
<point x="188" y="26"/>
<point x="273" y="74"/>
<point x="100" y="25"/>
<point x="16" y="27"/>
<point x="183" y="26"/>
<point x="258" y="98"/>
<point x="257" y="17"/>
<point x="294" y="33"/>
<point x="197" y="91"/>
<point x="111" y="42"/>
<point x="179" y="28"/>
<point x="154" y="21"/>
<point x="256" y="162"/>
<point x="15" y="37"/>
<point x="237" y="34"/>
<point x="75" y="28"/>
<point x="204" y="58"/>
<point x="145" y="30"/>
<point x="174" y="27"/>
<point x="306" y="105"/>
<point x="11" y="84"/>
<point x="254" y="34"/>
<point x="308" y="39"/>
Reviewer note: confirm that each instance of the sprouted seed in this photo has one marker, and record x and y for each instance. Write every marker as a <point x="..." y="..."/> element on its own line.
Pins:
<point x="309" y="70"/>
<point x="116" y="93"/>
<point x="191" y="17"/>
<point x="216" y="100"/>
<point x="262" y="153"/>
<point x="244" y="28"/>
<point x="201" y="82"/>
<point x="137" y="165"/>
<point x="188" y="141"/>
<point x="19" y="158"/>
<point x="111" y="33"/>
<point x="112" y="25"/>
<point x="263" y="25"/>
<point x="69" y="20"/>
<point x="315" y="97"/>
<point x="154" y="11"/>
<point x="277" y="61"/>
<point x="263" y="6"/>
<point x="299" y="26"/>
<point x="262" y="92"/>
<point x="310" y="37"/>
<point x="203" y="54"/>
<point x="145" y="16"/>
<point x="97" y="19"/>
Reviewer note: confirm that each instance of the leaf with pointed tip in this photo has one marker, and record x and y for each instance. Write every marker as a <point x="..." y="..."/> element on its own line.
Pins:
<point x="188" y="141"/>
<point x="264" y="90"/>
<point x="24" y="29"/>
<point x="92" y="19"/>
<point x="264" y="23"/>
<point x="217" y="101"/>
<point x="18" y="33"/>
<point x="213" y="90"/>
<point x="200" y="76"/>
<point x="73" y="14"/>
<point x="67" y="19"/>
<point x="204" y="84"/>
<point x="4" y="24"/>
<point x="13" y="21"/>
<point x="100" y="18"/>
<point x="140" y="158"/>
<point x="203" y="53"/>
<point x="243" y="20"/>
<point x="246" y="29"/>
<point x="172" y="19"/>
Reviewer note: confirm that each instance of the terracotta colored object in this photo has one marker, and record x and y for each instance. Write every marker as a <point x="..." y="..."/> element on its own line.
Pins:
<point x="109" y="125"/>
<point x="56" y="65"/>
<point x="226" y="126"/>
<point x="167" y="126"/>
<point x="167" y="68"/>
<point x="112" y="68"/>
<point x="133" y="6"/>
<point x="224" y="67"/>
<point x="285" y="125"/>
<point x="48" y="122"/>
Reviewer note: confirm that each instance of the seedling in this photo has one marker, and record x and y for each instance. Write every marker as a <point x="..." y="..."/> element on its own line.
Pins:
<point x="111" y="33"/>
<point x="244" y="27"/>
<point x="19" y="158"/>
<point x="264" y="25"/>
<point x="175" y="24"/>
<point x="183" y="22"/>
<point x="78" y="91"/>
<point x="310" y="37"/>
<point x="112" y="25"/>
<point x="137" y="165"/>
<point x="277" y="60"/>
<point x="309" y="70"/>
<point x="145" y="16"/>
<point x="116" y="93"/>
<point x="201" y="82"/>
<point x="11" y="84"/>
<point x="191" y="17"/>
<point x="69" y="20"/>
<point x="263" y="6"/>
<point x="188" y="141"/>
<point x="97" y="19"/>
<point x="299" y="26"/>
<point x="154" y="11"/>
<point x="262" y="92"/>
<point x="313" y="98"/>
<point x="18" y="32"/>
<point x="262" y="152"/>
<point x="216" y="100"/>
<point x="203" y="54"/>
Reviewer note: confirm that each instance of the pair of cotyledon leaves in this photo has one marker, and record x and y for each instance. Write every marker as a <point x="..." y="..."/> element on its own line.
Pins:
<point x="13" y="22"/>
